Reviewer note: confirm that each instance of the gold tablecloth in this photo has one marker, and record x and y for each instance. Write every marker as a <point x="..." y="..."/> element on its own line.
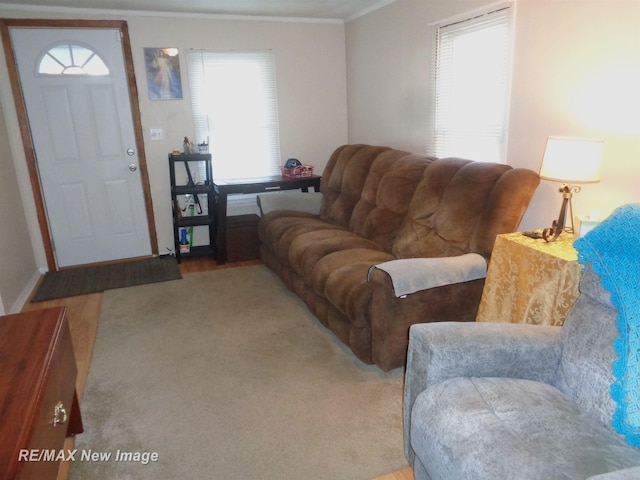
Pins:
<point x="530" y="280"/>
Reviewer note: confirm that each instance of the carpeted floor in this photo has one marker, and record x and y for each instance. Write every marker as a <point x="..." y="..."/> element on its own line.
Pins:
<point x="81" y="281"/>
<point x="226" y="375"/>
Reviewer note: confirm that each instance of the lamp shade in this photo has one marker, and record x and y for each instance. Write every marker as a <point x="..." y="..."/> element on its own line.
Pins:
<point x="572" y="160"/>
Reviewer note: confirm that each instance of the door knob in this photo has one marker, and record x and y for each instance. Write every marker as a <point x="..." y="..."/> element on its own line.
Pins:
<point x="133" y="167"/>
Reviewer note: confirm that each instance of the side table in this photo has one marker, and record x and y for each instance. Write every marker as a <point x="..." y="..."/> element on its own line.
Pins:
<point x="530" y="280"/>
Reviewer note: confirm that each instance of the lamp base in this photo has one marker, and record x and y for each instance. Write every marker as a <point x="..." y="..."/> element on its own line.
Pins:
<point x="558" y="226"/>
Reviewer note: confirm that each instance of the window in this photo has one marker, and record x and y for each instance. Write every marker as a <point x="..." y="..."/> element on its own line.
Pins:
<point x="471" y="87"/>
<point x="71" y="59"/>
<point x="235" y="109"/>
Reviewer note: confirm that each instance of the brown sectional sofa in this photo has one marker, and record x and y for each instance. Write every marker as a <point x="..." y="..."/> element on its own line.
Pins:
<point x="381" y="205"/>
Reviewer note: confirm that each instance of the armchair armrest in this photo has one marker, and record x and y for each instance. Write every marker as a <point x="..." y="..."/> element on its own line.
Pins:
<point x="411" y="275"/>
<point x="439" y="351"/>
<point x="442" y="350"/>
<point x="290" y="200"/>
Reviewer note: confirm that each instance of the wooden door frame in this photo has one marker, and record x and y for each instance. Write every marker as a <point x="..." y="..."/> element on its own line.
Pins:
<point x="25" y="130"/>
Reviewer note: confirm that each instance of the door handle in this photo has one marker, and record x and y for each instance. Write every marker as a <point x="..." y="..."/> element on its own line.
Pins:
<point x="133" y="167"/>
<point x="59" y="414"/>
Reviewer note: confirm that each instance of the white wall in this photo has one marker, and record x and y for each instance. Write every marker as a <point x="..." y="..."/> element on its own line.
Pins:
<point x="576" y="72"/>
<point x="388" y="72"/>
<point x="311" y="82"/>
<point x="17" y="261"/>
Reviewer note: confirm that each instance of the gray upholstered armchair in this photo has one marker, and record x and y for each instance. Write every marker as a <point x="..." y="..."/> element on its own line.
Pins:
<point x="506" y="401"/>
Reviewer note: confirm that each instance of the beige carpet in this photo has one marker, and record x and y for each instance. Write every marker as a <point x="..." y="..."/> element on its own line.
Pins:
<point x="226" y="375"/>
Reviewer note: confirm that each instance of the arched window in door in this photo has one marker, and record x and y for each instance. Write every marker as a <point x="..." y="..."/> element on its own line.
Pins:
<point x="71" y="59"/>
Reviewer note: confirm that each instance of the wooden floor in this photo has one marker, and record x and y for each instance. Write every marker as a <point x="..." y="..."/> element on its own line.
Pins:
<point x="83" y="313"/>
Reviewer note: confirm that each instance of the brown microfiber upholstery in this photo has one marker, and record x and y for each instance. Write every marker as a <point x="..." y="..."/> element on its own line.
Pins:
<point x="380" y="204"/>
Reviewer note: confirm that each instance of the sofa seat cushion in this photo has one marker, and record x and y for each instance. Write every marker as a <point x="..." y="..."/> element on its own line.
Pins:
<point x="279" y="229"/>
<point x="490" y="428"/>
<point x="342" y="278"/>
<point x="307" y="248"/>
<point x="331" y="260"/>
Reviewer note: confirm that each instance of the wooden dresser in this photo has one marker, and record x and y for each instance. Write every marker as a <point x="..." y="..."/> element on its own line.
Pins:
<point x="38" y="402"/>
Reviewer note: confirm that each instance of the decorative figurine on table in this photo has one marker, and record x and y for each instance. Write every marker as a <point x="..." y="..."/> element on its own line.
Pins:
<point x="187" y="146"/>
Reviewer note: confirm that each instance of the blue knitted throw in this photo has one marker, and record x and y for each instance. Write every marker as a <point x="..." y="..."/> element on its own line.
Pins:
<point x="613" y="248"/>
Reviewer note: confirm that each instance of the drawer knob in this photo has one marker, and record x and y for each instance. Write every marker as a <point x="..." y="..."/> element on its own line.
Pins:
<point x="59" y="414"/>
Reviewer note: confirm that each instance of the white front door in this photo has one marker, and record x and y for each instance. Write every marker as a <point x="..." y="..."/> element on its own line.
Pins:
<point x="82" y="129"/>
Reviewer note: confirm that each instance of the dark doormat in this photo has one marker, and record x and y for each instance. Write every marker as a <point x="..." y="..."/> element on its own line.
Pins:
<point x="81" y="281"/>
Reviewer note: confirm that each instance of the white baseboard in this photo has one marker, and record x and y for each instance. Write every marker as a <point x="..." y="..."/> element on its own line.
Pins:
<point x="27" y="291"/>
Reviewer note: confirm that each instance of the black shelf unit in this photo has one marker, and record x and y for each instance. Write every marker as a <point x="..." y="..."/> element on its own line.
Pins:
<point x="193" y="162"/>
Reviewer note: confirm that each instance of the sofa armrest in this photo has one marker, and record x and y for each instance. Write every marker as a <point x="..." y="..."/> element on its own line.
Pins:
<point x="632" y="473"/>
<point x="439" y="351"/>
<point x="411" y="275"/>
<point x="290" y="200"/>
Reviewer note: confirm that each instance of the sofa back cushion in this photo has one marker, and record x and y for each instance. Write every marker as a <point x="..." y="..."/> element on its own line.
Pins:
<point x="386" y="196"/>
<point x="368" y="189"/>
<point x="343" y="180"/>
<point x="588" y="334"/>
<point x="419" y="206"/>
<point x="460" y="206"/>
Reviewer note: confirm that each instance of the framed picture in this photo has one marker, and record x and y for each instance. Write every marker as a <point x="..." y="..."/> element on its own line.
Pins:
<point x="163" y="73"/>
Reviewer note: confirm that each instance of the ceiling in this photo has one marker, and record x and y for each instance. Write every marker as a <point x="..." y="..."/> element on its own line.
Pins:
<point x="315" y="9"/>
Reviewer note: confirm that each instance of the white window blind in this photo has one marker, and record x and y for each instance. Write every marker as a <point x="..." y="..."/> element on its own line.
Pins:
<point x="235" y="108"/>
<point x="471" y="87"/>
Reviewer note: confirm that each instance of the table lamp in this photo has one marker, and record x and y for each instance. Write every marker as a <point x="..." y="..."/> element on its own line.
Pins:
<point x="571" y="161"/>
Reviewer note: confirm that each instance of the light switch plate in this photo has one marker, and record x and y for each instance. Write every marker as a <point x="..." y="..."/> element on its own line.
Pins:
<point x="156" y="133"/>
